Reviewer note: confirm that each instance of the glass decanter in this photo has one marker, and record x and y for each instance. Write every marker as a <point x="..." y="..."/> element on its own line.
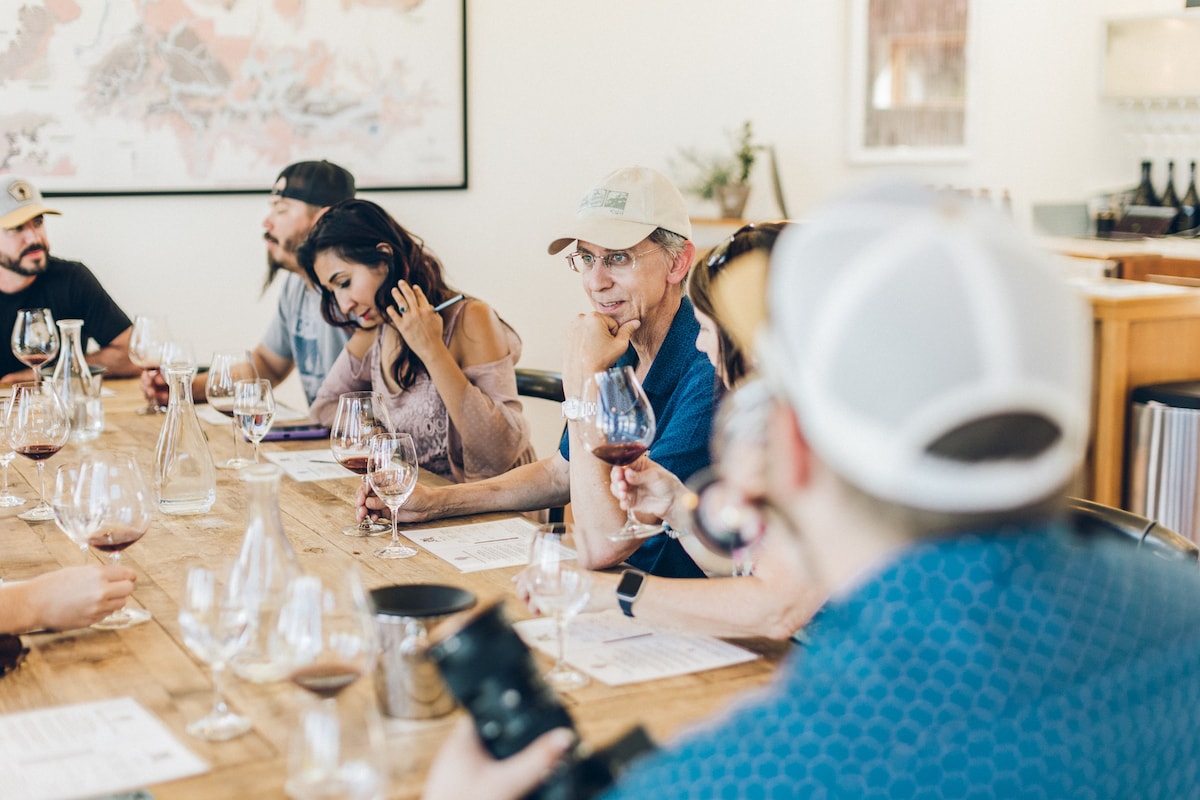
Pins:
<point x="74" y="383"/>
<point x="185" y="480"/>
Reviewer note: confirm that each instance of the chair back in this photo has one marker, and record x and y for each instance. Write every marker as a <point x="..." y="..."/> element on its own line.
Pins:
<point x="544" y="385"/>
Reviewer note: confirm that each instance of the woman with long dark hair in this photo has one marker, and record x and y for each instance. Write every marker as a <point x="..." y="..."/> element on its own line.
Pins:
<point x="448" y="375"/>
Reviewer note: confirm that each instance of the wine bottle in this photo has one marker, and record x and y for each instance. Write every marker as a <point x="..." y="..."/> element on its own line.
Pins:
<point x="1171" y="200"/>
<point x="1191" y="202"/>
<point x="1145" y="194"/>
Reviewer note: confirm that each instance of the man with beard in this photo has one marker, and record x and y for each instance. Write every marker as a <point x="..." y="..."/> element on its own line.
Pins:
<point x="31" y="278"/>
<point x="297" y="337"/>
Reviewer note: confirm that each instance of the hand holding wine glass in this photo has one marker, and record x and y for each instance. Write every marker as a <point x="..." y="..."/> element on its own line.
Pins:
<point x="359" y="416"/>
<point x="253" y="409"/>
<point x="618" y="431"/>
<point x="35" y="339"/>
<point x="215" y="627"/>
<point x="226" y="369"/>
<point x="392" y="473"/>
<point x="150" y="335"/>
<point x="558" y="586"/>
<point x="37" y="428"/>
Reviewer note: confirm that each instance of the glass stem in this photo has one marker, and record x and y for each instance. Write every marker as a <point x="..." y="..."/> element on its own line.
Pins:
<point x="365" y="525"/>
<point x="41" y="470"/>
<point x="233" y="428"/>
<point x="395" y="530"/>
<point x="4" y="492"/>
<point x="219" y="708"/>
<point x="560" y="621"/>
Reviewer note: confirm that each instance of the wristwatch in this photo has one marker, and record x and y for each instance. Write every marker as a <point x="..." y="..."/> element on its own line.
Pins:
<point x="575" y="408"/>
<point x="628" y="589"/>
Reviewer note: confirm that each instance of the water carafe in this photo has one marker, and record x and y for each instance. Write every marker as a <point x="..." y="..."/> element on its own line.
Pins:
<point x="185" y="479"/>
<point x="74" y="382"/>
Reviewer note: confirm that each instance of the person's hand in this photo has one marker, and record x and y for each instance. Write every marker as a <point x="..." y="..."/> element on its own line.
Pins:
<point x="419" y="325"/>
<point x="594" y="342"/>
<point x="600" y="598"/>
<point x="154" y="387"/>
<point x="463" y="768"/>
<point x="647" y="487"/>
<point x="75" y="597"/>
<point x="419" y="507"/>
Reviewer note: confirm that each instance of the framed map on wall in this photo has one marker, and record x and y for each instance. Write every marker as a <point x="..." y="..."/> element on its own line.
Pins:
<point x="184" y="96"/>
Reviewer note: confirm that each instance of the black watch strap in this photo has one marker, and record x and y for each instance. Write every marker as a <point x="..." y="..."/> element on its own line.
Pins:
<point x="628" y="590"/>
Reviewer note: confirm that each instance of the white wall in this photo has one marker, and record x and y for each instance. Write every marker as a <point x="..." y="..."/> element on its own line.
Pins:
<point x="562" y="91"/>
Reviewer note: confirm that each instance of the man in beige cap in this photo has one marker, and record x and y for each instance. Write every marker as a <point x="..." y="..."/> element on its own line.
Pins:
<point x="631" y="235"/>
<point x="31" y="278"/>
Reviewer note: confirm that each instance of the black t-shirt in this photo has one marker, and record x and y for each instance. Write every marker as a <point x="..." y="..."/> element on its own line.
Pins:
<point x="70" y="291"/>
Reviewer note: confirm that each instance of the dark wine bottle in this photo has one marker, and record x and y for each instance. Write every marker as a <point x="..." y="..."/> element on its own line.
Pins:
<point x="1191" y="202"/>
<point x="1171" y="200"/>
<point x="1145" y="194"/>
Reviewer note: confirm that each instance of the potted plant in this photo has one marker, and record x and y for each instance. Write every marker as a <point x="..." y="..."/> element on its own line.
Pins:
<point x="724" y="178"/>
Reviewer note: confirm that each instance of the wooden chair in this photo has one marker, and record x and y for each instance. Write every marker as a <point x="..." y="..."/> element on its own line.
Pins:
<point x="544" y="385"/>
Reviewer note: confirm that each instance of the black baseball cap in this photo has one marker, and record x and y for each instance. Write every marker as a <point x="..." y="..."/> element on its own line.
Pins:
<point x="319" y="183"/>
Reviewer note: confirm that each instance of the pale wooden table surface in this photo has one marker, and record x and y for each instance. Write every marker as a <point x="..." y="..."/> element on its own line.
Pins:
<point x="151" y="664"/>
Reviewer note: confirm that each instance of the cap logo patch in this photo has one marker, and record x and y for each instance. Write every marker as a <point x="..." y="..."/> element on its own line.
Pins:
<point x="605" y="198"/>
<point x="21" y="191"/>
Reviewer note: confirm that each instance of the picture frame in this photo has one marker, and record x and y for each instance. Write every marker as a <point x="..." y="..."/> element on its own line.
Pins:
<point x="908" y="77"/>
<point x="128" y="98"/>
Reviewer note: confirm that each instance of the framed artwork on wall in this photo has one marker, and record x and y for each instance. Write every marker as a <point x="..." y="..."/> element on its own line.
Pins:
<point x="908" y="81"/>
<point x="128" y="97"/>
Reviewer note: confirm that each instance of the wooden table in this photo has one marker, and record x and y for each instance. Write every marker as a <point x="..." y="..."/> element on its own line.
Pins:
<point x="151" y="664"/>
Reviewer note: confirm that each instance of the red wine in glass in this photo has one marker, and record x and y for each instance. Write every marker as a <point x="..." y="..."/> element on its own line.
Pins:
<point x="38" y="452"/>
<point x="327" y="680"/>
<point x="114" y="540"/>
<point x="620" y="455"/>
<point x="355" y="463"/>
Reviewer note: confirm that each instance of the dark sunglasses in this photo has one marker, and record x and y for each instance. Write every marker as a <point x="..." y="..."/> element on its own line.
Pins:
<point x="754" y="236"/>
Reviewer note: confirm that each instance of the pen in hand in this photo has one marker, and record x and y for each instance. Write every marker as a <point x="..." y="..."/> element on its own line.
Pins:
<point x="448" y="303"/>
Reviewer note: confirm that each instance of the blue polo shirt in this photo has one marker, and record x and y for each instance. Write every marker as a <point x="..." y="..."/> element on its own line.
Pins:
<point x="681" y="387"/>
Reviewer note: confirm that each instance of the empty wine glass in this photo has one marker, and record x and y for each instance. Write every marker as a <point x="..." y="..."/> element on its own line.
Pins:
<point x="7" y="454"/>
<point x="253" y="409"/>
<point x="392" y="473"/>
<point x="126" y="515"/>
<point x="34" y="339"/>
<point x="214" y="627"/>
<point x="227" y="369"/>
<point x="618" y="429"/>
<point x="558" y="586"/>
<point x="38" y="427"/>
<point x="359" y="416"/>
<point x="327" y="627"/>
<point x="149" y="336"/>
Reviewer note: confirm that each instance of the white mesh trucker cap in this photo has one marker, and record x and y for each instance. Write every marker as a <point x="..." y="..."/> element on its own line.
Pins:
<point x="899" y="315"/>
<point x="624" y="208"/>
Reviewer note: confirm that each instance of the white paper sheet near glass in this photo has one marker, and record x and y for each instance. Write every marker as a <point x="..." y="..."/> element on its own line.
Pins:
<point x="617" y="650"/>
<point x="309" y="465"/>
<point x="88" y="749"/>
<point x="282" y="414"/>
<point x="480" y="545"/>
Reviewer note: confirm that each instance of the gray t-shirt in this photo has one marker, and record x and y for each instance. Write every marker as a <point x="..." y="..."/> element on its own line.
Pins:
<point x="299" y="333"/>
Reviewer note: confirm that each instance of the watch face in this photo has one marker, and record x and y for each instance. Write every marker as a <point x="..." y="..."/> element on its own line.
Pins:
<point x="630" y="583"/>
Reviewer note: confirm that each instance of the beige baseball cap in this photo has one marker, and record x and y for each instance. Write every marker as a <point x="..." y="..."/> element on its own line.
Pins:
<point x="624" y="208"/>
<point x="20" y="202"/>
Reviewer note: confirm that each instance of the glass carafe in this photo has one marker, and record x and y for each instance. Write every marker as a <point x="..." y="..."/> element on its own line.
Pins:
<point x="259" y="579"/>
<point x="75" y="384"/>
<point x="185" y="479"/>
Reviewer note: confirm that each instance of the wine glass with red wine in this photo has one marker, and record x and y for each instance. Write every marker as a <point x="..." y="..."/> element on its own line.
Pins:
<point x="227" y="369"/>
<point x="327" y="629"/>
<point x="618" y="428"/>
<point x="38" y="427"/>
<point x="128" y="509"/>
<point x="359" y="416"/>
<point x="34" y="339"/>
<point x="147" y="341"/>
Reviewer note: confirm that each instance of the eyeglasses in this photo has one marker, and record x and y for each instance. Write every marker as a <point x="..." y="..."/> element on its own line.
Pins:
<point x="620" y="261"/>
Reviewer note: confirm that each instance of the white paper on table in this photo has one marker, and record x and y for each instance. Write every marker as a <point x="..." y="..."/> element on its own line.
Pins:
<point x="616" y="649"/>
<point x="89" y="749"/>
<point x="478" y="545"/>
<point x="309" y="465"/>
<point x="282" y="414"/>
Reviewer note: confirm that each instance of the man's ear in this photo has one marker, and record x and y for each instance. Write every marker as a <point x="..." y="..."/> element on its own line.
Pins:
<point x="796" y="455"/>
<point x="681" y="265"/>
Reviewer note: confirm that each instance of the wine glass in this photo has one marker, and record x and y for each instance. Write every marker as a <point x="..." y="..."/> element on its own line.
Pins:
<point x="560" y="587"/>
<point x="618" y="429"/>
<point x="327" y="629"/>
<point x="7" y="454"/>
<point x="227" y="369"/>
<point x="124" y="520"/>
<point x="78" y="501"/>
<point x="215" y="627"/>
<point x="38" y="427"/>
<point x="392" y="473"/>
<point x="34" y="339"/>
<point x="150" y="335"/>
<point x="359" y="416"/>
<point x="253" y="409"/>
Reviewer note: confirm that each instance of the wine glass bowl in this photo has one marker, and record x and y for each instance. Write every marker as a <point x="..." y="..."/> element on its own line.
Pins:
<point x="147" y="340"/>
<point x="37" y="428"/>
<point x="7" y="454"/>
<point x="619" y="429"/>
<point x="253" y="410"/>
<point x="226" y="370"/>
<point x="359" y="416"/>
<point x="392" y="473"/>
<point x="126" y="518"/>
<point x="35" y="339"/>
<point x="561" y="588"/>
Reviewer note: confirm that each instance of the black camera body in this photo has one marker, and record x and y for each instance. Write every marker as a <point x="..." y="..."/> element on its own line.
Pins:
<point x="493" y="675"/>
